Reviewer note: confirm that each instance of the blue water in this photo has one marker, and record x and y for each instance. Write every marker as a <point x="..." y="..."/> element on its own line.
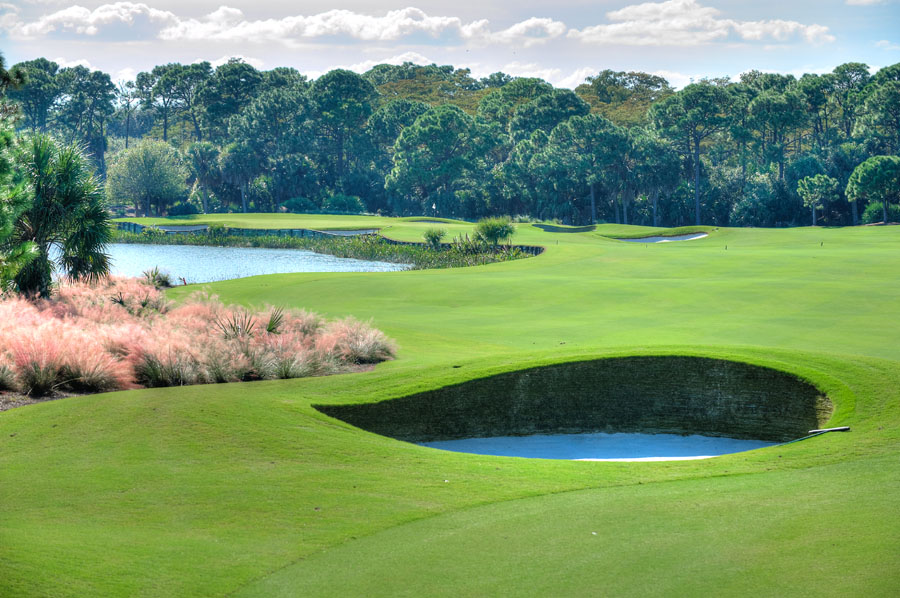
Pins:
<point x="601" y="446"/>
<point x="210" y="264"/>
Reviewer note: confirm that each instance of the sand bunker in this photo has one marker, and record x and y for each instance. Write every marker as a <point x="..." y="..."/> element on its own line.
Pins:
<point x="689" y="237"/>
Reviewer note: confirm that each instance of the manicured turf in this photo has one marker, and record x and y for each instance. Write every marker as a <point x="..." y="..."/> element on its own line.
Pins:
<point x="246" y="490"/>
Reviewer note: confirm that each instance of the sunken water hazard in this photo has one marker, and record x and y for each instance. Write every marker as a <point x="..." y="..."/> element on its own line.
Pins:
<point x="649" y="408"/>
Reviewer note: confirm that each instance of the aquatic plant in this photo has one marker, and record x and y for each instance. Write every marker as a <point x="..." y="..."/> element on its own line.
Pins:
<point x="420" y="256"/>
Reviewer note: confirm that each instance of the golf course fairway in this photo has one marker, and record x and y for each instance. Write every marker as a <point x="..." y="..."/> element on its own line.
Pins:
<point x="248" y="490"/>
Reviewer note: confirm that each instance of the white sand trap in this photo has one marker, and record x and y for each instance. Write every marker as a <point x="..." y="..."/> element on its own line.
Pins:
<point x="602" y="447"/>
<point x="689" y="237"/>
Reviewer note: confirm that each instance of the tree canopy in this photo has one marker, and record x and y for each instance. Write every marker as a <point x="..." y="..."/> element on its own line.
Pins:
<point x="410" y="138"/>
<point x="876" y="179"/>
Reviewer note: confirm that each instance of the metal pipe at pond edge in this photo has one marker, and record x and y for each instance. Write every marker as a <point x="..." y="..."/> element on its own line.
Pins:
<point x="814" y="433"/>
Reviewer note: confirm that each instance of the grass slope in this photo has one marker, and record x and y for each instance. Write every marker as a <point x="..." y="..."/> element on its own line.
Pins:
<point x="246" y="490"/>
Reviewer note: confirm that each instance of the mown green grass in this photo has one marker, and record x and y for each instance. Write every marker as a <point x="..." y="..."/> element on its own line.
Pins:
<point x="247" y="490"/>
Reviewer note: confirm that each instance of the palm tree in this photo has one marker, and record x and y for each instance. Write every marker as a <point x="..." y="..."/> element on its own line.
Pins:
<point x="67" y="214"/>
<point x="13" y="199"/>
<point x="203" y="160"/>
<point x="14" y="77"/>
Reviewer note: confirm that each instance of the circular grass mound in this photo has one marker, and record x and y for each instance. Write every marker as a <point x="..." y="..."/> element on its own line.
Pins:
<point x="651" y="394"/>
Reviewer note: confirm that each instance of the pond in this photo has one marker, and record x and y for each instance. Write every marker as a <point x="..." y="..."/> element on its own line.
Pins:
<point x="211" y="264"/>
<point x="602" y="446"/>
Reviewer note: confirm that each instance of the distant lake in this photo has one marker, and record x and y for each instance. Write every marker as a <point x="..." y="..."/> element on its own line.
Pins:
<point x="210" y="264"/>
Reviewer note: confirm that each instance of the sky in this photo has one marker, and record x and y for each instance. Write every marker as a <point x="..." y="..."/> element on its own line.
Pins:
<point x="561" y="41"/>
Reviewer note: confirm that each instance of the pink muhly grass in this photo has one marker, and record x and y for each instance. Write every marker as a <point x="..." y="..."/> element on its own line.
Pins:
<point x="95" y="370"/>
<point x="7" y="374"/>
<point x="38" y="358"/>
<point x="353" y="341"/>
<point x="121" y="333"/>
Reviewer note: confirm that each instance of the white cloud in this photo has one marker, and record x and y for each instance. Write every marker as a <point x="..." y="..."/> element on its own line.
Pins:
<point x="65" y="63"/>
<point x="125" y="74"/>
<point x="254" y="62"/>
<point x="864" y="2"/>
<point x="688" y="23"/>
<point x="530" y="32"/>
<point x="227" y="24"/>
<point x="887" y="45"/>
<point x="575" y="78"/>
<point x="414" y="57"/>
<point x="556" y="76"/>
<point x="676" y="79"/>
<point x="80" y="20"/>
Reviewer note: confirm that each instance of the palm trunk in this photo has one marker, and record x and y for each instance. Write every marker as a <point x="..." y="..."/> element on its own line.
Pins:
<point x="197" y="132"/>
<point x="855" y="212"/>
<point x="697" y="179"/>
<point x="884" y="210"/>
<point x="340" y="160"/>
<point x="593" y="204"/>
<point x="814" y="215"/>
<point x="655" y="199"/>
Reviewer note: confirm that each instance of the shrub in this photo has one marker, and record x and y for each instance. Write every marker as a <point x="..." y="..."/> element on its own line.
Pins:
<point x="433" y="237"/>
<point x="300" y="205"/>
<point x="217" y="231"/>
<point x="494" y="230"/>
<point x="183" y="209"/>
<point x="874" y="213"/>
<point x="349" y="204"/>
<point x="151" y="233"/>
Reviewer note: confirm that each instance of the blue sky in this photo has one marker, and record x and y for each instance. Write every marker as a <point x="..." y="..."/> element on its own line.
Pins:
<point x="561" y="41"/>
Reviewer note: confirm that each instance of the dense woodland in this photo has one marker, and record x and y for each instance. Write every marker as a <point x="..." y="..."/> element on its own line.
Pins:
<point x="765" y="150"/>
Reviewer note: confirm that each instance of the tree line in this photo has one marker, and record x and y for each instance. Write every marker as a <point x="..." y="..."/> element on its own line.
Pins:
<point x="408" y="139"/>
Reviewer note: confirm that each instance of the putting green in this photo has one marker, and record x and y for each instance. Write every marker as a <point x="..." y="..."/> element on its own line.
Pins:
<point x="247" y="490"/>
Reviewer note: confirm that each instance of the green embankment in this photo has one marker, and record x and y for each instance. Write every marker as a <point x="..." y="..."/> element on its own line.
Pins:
<point x="248" y="490"/>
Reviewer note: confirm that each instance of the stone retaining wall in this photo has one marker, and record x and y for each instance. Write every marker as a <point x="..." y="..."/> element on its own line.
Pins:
<point x="681" y="395"/>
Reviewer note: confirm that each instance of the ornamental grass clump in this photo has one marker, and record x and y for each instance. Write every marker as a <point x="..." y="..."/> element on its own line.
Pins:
<point x="123" y="333"/>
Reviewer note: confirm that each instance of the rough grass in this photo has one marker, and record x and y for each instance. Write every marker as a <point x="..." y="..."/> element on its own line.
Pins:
<point x="269" y="497"/>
